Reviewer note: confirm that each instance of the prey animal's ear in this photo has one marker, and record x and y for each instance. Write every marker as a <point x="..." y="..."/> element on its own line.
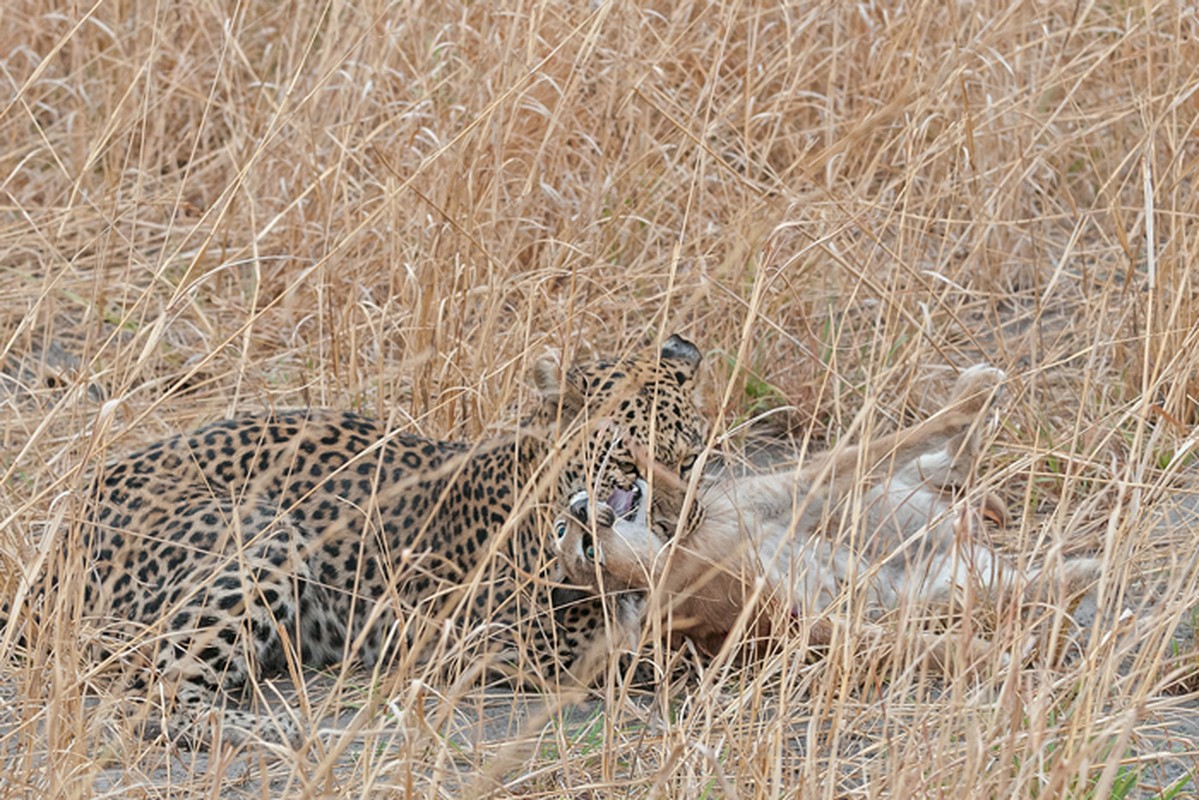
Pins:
<point x="683" y="356"/>
<point x="550" y="379"/>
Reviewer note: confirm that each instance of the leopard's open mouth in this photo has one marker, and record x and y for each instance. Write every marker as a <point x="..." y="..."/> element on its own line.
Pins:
<point x="628" y="504"/>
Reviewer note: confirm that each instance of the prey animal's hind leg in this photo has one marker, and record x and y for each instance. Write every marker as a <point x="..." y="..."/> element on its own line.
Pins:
<point x="938" y="452"/>
<point x="952" y="438"/>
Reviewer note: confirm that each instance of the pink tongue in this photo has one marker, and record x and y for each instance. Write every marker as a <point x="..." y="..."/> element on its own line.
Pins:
<point x="622" y="501"/>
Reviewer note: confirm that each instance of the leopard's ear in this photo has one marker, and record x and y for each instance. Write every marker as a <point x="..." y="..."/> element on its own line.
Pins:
<point x="549" y="376"/>
<point x="684" y="357"/>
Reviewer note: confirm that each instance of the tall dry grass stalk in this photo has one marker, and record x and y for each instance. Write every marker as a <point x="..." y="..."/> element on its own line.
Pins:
<point x="213" y="207"/>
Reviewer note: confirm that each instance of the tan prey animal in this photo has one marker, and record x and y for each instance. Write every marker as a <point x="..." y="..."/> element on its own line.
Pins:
<point x="879" y="527"/>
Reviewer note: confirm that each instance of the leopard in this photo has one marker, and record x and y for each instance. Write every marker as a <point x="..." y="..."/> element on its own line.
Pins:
<point x="319" y="536"/>
<point x="885" y="526"/>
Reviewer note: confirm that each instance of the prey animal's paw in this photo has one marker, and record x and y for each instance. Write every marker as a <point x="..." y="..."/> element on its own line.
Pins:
<point x="978" y="388"/>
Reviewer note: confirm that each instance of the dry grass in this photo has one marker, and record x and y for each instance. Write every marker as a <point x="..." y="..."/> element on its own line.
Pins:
<point x="213" y="207"/>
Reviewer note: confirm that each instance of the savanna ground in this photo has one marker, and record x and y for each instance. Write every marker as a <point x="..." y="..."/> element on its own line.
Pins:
<point x="215" y="207"/>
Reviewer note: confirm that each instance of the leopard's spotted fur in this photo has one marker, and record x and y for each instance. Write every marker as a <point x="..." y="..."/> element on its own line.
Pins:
<point x="323" y="536"/>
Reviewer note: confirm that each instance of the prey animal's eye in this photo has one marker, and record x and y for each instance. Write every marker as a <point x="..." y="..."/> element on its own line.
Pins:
<point x="590" y="552"/>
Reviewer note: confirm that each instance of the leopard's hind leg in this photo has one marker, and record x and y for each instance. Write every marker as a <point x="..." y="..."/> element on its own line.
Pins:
<point x="237" y="618"/>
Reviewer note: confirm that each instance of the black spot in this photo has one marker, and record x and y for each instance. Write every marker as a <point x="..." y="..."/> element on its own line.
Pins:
<point x="200" y="680"/>
<point x="336" y="638"/>
<point x="154" y="604"/>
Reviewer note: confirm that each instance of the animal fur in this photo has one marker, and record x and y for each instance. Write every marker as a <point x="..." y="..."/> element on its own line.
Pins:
<point x="880" y="526"/>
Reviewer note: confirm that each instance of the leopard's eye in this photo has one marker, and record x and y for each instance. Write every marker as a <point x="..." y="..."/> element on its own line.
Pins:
<point x="688" y="463"/>
<point x="590" y="552"/>
<point x="560" y="528"/>
<point x="627" y="467"/>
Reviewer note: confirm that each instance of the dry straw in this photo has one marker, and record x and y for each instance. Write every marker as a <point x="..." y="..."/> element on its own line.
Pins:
<point x="208" y="208"/>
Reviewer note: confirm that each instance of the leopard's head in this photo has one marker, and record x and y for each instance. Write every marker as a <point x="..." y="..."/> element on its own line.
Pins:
<point x="616" y="421"/>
